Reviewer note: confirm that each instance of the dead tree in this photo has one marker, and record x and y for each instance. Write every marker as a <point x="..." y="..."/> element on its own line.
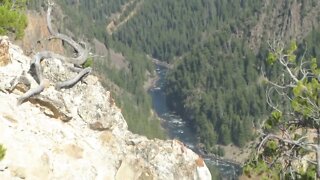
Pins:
<point x="82" y="55"/>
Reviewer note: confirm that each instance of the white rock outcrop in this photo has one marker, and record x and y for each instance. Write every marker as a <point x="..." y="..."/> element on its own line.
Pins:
<point x="79" y="133"/>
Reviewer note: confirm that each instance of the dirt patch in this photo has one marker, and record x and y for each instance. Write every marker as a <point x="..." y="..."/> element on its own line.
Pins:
<point x="239" y="155"/>
<point x="36" y="34"/>
<point x="100" y="48"/>
<point x="117" y="60"/>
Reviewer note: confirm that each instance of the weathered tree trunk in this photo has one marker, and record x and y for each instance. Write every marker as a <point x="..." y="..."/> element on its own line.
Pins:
<point x="82" y="55"/>
<point x="73" y="81"/>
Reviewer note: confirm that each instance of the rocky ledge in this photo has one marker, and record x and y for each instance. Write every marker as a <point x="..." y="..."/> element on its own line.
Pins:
<point x="77" y="133"/>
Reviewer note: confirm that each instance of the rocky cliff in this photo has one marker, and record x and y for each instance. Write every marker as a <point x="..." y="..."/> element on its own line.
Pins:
<point x="77" y="133"/>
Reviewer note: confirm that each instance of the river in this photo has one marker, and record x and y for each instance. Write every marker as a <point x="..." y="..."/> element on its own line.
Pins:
<point x="177" y="128"/>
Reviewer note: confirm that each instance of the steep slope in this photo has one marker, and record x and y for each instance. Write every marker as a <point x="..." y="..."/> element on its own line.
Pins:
<point x="218" y="48"/>
<point x="122" y="71"/>
<point x="219" y="51"/>
<point x="288" y="20"/>
<point x="78" y="132"/>
<point x="167" y="29"/>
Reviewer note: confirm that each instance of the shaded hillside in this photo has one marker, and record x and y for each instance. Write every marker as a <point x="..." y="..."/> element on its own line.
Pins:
<point x="217" y="84"/>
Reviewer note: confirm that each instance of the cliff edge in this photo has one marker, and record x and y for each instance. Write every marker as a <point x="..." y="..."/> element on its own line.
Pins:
<point x="77" y="133"/>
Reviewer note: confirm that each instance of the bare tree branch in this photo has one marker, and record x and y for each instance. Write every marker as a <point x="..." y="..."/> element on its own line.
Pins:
<point x="82" y="55"/>
<point x="73" y="81"/>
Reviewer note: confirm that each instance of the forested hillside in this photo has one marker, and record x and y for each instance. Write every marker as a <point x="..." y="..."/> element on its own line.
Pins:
<point x="215" y="85"/>
<point x="218" y="48"/>
<point x="219" y="91"/>
<point x="167" y="29"/>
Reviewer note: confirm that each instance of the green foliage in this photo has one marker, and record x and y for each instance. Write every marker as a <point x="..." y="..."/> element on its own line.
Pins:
<point x="218" y="91"/>
<point x="303" y="94"/>
<point x="310" y="173"/>
<point x="276" y="115"/>
<point x="90" y="17"/>
<point x="215" y="175"/>
<point x="292" y="48"/>
<point x="88" y="63"/>
<point x="270" y="148"/>
<point x="138" y="116"/>
<point x="220" y="151"/>
<point x="85" y="17"/>
<point x="271" y="58"/>
<point x="2" y="152"/>
<point x="306" y="94"/>
<point x="12" y="17"/>
<point x="215" y="85"/>
<point x="166" y="29"/>
<point x="273" y="121"/>
<point x="258" y="169"/>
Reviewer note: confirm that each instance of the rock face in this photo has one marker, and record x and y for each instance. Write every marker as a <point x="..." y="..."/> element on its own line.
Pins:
<point x="79" y="133"/>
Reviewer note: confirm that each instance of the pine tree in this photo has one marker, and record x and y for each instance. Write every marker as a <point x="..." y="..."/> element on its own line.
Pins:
<point x="12" y="17"/>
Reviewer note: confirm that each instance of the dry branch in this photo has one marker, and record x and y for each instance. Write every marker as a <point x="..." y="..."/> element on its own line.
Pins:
<point x="82" y="52"/>
<point x="82" y="55"/>
<point x="73" y="81"/>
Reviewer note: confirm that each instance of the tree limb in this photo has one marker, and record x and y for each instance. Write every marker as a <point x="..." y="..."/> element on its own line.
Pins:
<point x="36" y="62"/>
<point x="73" y="81"/>
<point x="82" y="53"/>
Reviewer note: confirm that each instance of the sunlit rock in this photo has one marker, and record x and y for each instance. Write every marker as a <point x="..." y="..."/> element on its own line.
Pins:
<point x="79" y="133"/>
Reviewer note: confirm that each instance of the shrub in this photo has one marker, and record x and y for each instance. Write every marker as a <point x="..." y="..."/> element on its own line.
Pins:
<point x="12" y="17"/>
<point x="2" y="152"/>
<point x="88" y="63"/>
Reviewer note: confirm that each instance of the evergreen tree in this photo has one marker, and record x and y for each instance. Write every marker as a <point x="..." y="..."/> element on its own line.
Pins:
<point x="12" y="17"/>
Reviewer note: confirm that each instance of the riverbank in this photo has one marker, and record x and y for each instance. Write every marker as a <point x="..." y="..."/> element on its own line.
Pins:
<point x="177" y="128"/>
<point x="151" y="81"/>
